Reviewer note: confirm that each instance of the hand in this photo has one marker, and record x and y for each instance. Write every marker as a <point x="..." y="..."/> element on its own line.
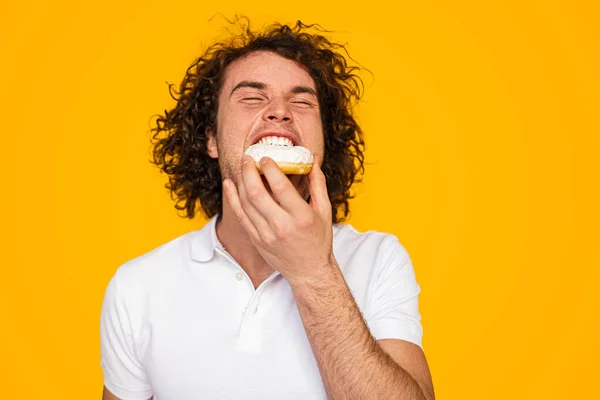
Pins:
<point x="293" y="236"/>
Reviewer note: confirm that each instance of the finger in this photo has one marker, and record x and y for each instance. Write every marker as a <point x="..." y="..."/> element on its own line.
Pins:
<point x="257" y="193"/>
<point x="318" y="190"/>
<point x="282" y="188"/>
<point x="258" y="220"/>
<point x="233" y="198"/>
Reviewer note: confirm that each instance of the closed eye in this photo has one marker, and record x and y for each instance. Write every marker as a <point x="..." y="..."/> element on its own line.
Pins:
<point x="303" y="103"/>
<point x="252" y="101"/>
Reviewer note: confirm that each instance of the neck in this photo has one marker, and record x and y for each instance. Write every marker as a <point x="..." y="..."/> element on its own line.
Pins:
<point x="238" y="244"/>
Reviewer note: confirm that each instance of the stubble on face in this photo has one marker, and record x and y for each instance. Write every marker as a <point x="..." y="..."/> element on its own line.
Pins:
<point x="279" y="75"/>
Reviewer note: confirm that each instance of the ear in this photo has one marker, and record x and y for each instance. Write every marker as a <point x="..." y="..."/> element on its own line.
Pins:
<point x="211" y="143"/>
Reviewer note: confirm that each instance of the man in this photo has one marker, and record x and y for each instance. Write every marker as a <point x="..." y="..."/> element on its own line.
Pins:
<point x="274" y="298"/>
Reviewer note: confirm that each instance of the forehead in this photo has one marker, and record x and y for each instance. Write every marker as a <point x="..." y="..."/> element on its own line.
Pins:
<point x="269" y="68"/>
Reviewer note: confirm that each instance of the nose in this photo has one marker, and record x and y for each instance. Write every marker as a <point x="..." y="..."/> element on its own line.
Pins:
<point x="277" y="111"/>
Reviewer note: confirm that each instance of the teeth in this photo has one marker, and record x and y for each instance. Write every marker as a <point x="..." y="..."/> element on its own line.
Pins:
<point x="276" y="141"/>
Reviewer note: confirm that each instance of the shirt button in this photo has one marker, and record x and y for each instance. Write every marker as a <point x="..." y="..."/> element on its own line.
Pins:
<point x="239" y="276"/>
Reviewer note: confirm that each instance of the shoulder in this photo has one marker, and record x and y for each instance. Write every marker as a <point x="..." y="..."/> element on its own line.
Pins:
<point x="380" y="245"/>
<point x="376" y="267"/>
<point x="156" y="265"/>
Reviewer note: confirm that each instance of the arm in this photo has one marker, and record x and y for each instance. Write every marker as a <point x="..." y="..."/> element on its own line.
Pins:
<point x="107" y="395"/>
<point x="123" y="371"/>
<point x="352" y="363"/>
<point x="295" y="237"/>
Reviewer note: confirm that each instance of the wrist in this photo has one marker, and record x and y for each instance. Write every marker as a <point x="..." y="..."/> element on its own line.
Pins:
<point x="322" y="277"/>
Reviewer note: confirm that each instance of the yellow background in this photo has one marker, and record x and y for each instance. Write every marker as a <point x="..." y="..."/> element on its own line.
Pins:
<point x="482" y="128"/>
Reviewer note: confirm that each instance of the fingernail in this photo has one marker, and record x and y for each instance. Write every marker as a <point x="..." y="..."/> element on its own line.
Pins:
<point x="245" y="160"/>
<point x="263" y="160"/>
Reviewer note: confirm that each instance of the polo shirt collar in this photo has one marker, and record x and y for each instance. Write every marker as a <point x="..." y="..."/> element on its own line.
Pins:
<point x="205" y="241"/>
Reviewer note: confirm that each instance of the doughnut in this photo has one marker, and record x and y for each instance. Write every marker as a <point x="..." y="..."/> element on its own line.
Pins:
<point x="292" y="160"/>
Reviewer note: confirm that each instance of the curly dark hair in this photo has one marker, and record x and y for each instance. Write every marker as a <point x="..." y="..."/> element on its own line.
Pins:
<point x="179" y="138"/>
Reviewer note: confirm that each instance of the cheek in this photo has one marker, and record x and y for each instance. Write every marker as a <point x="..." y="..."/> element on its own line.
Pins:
<point x="316" y="136"/>
<point x="311" y="126"/>
<point x="238" y="124"/>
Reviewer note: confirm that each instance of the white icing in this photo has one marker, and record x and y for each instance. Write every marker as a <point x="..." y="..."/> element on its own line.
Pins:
<point x="291" y="154"/>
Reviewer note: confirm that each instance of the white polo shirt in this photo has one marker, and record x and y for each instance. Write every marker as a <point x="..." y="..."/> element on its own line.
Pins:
<point x="184" y="321"/>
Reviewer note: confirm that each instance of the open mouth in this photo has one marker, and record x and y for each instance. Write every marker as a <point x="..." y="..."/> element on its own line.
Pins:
<point x="276" y="140"/>
<point x="283" y="148"/>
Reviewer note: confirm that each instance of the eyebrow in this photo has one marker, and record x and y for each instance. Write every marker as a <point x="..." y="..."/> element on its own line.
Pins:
<point x="262" y="86"/>
<point x="304" y="89"/>
<point x="248" y="84"/>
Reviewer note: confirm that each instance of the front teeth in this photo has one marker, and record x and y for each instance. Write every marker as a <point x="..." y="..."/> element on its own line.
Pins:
<point x="276" y="141"/>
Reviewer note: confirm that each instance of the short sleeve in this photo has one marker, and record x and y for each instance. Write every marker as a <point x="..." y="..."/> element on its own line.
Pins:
<point x="394" y="307"/>
<point x="124" y="375"/>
